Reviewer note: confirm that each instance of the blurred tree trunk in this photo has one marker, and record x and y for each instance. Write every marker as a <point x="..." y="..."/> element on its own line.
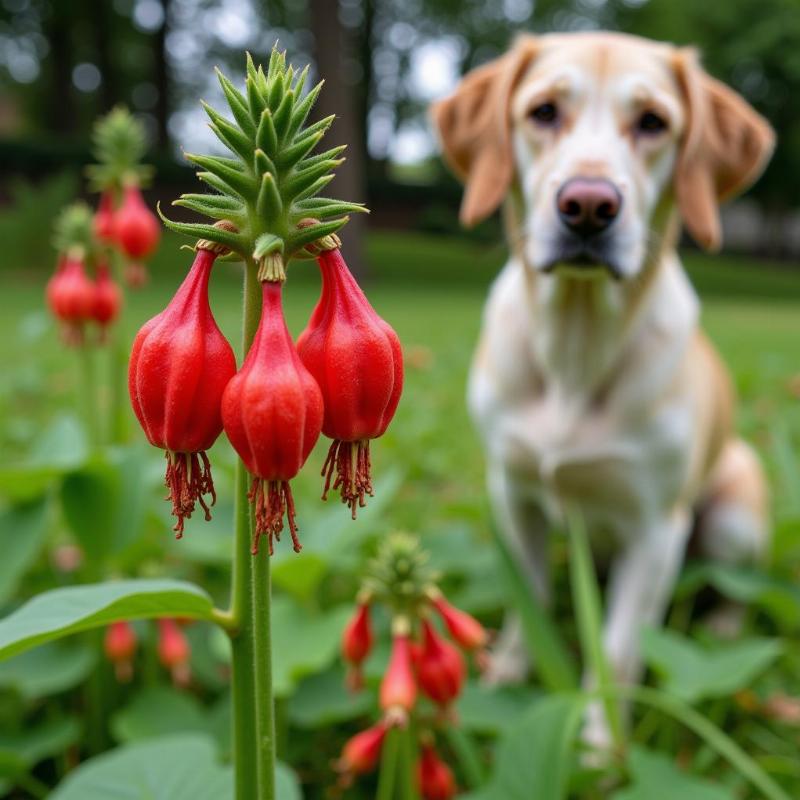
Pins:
<point x="101" y="27"/>
<point x="334" y="47"/>
<point x="161" y="79"/>
<point x="62" y="100"/>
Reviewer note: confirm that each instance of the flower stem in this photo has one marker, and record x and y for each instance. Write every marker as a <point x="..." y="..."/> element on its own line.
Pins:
<point x="87" y="393"/>
<point x="387" y="778"/>
<point x="253" y="710"/>
<point x="118" y="353"/>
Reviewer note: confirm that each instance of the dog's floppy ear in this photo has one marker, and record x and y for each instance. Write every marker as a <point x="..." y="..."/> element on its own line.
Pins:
<point x="726" y="146"/>
<point x="474" y="128"/>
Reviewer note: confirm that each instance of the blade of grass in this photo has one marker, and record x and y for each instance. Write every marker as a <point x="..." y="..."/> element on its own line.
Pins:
<point x="550" y="656"/>
<point x="467" y="754"/>
<point x="387" y="779"/>
<point x="589" y="614"/>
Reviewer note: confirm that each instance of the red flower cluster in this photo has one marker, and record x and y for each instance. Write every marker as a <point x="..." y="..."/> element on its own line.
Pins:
<point x="76" y="300"/>
<point x="184" y="389"/>
<point x="425" y="663"/>
<point x="174" y="652"/>
<point x="132" y="228"/>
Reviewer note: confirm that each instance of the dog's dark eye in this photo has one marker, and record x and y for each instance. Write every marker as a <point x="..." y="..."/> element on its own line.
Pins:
<point x="545" y="114"/>
<point x="651" y="123"/>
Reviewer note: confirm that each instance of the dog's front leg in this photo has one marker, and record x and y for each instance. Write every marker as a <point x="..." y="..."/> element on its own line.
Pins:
<point x="520" y="521"/>
<point x="640" y="587"/>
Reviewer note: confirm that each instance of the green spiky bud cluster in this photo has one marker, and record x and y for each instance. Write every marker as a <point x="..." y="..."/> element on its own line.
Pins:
<point x="119" y="144"/>
<point x="269" y="187"/>
<point x="73" y="230"/>
<point x="400" y="575"/>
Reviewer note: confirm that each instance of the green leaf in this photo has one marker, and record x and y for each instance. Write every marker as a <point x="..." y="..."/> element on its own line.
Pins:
<point x="287" y="787"/>
<point x="266" y="137"/>
<point x="656" y="777"/>
<point x="302" y="109"/>
<point x="35" y="743"/>
<point x="60" y="612"/>
<point x="227" y="171"/>
<point x="492" y="710"/>
<point x="23" y="529"/>
<point x="159" y="711"/>
<point x="238" y="104"/>
<point x="269" y="204"/>
<point x="302" y="643"/>
<point x="233" y="241"/>
<point x="695" y="673"/>
<point x="47" y="670"/>
<point x="236" y="141"/>
<point x="323" y="700"/>
<point x="183" y="767"/>
<point x="534" y="758"/>
<point x="296" y="241"/>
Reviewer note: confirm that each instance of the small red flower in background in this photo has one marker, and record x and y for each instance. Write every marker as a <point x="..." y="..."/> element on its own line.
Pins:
<point x="272" y="411"/>
<point x="361" y="753"/>
<point x="180" y="365"/>
<point x="104" y="218"/>
<point x="399" y="688"/>
<point x="435" y="778"/>
<point x="70" y="296"/>
<point x="135" y="228"/>
<point x="174" y="651"/>
<point x="440" y="667"/>
<point x="119" y="645"/>
<point x="463" y="627"/>
<point x="107" y="299"/>
<point x="357" y="360"/>
<point x="357" y="641"/>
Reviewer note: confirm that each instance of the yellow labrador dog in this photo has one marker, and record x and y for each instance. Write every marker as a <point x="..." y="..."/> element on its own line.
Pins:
<point x="592" y="383"/>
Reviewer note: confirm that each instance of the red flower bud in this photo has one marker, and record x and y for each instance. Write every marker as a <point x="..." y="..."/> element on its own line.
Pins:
<point x="107" y="297"/>
<point x="356" y="359"/>
<point x="174" y="650"/>
<point x="104" y="218"/>
<point x="135" y="226"/>
<point x="70" y="296"/>
<point x="120" y="647"/>
<point x="272" y="411"/>
<point x="435" y="778"/>
<point x="361" y="753"/>
<point x="179" y="367"/>
<point x="463" y="627"/>
<point x="357" y="641"/>
<point x="398" y="692"/>
<point x="440" y="667"/>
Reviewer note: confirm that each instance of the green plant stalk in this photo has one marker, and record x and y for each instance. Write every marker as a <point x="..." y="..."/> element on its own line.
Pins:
<point x="588" y="612"/>
<point x="468" y="756"/>
<point x="387" y="778"/>
<point x="118" y="353"/>
<point x="87" y="393"/>
<point x="253" y="712"/>
<point x="408" y="764"/>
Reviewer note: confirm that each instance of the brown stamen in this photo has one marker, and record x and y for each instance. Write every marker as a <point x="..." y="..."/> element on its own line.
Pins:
<point x="273" y="501"/>
<point x="348" y="469"/>
<point x="188" y="480"/>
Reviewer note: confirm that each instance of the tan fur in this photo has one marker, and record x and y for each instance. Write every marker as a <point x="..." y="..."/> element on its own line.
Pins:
<point x="592" y="392"/>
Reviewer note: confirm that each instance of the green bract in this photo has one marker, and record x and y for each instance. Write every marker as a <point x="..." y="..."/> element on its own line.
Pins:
<point x="119" y="143"/>
<point x="73" y="229"/>
<point x="270" y="185"/>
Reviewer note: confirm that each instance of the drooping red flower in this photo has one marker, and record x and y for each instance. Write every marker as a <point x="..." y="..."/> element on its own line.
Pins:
<point x="361" y="752"/>
<point x="119" y="645"/>
<point x="356" y="358"/>
<point x="440" y="667"/>
<point x="107" y="297"/>
<point x="136" y="228"/>
<point x="70" y="296"/>
<point x="180" y="365"/>
<point x="463" y="627"/>
<point x="435" y="778"/>
<point x="104" y="218"/>
<point x="174" y="651"/>
<point x="357" y="641"/>
<point x="398" y="692"/>
<point x="135" y="274"/>
<point x="272" y="411"/>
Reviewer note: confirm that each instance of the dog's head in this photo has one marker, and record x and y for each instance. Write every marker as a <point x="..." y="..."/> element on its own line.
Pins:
<point x="600" y="136"/>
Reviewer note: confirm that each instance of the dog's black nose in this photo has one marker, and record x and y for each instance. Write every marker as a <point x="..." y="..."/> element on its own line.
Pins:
<point x="588" y="205"/>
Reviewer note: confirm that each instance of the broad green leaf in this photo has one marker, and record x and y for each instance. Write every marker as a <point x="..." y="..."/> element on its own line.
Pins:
<point x="287" y="787"/>
<point x="23" y="529"/>
<point x="491" y="710"/>
<point x="695" y="673"/>
<point x="104" y="502"/>
<point x="302" y="643"/>
<point x="534" y="757"/>
<point x="60" y="447"/>
<point x="183" y="767"/>
<point x="60" y="612"/>
<point x="656" y="777"/>
<point x="159" y="711"/>
<point x="27" y="748"/>
<point x="46" y="670"/>
<point x="323" y="700"/>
